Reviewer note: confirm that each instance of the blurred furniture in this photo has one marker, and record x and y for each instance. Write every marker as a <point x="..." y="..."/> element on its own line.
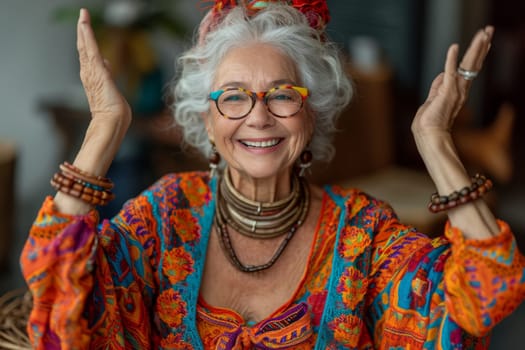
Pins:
<point x="365" y="141"/>
<point x="488" y="149"/>
<point x="7" y="198"/>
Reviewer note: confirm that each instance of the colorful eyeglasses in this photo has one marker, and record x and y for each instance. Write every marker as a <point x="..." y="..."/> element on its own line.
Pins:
<point x="282" y="101"/>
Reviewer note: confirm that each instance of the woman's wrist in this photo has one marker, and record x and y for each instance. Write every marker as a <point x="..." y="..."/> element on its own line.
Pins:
<point x="445" y="168"/>
<point x="441" y="159"/>
<point x="100" y="146"/>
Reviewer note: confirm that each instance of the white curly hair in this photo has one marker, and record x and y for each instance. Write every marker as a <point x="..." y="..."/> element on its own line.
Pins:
<point x="317" y="61"/>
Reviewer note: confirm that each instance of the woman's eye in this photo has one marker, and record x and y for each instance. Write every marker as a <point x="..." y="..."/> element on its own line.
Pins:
<point x="282" y="96"/>
<point x="235" y="98"/>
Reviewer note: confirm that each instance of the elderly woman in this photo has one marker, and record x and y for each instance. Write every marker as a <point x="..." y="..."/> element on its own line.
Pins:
<point x="250" y="255"/>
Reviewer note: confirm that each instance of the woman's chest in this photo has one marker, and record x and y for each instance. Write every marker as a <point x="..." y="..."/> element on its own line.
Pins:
<point x="289" y="299"/>
<point x="255" y="295"/>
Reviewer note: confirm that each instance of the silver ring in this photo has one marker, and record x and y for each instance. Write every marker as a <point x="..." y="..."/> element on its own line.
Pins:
<point x="467" y="74"/>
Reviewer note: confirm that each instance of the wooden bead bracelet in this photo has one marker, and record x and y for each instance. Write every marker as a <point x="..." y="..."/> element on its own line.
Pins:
<point x="94" y="190"/>
<point x="480" y="185"/>
<point x="64" y="177"/>
<point x="99" y="181"/>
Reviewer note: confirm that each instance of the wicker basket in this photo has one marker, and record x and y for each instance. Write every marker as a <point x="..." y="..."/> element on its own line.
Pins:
<point x="15" y="307"/>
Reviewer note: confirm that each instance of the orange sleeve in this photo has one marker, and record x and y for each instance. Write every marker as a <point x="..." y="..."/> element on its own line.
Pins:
<point x="57" y="264"/>
<point x="92" y="285"/>
<point x="484" y="279"/>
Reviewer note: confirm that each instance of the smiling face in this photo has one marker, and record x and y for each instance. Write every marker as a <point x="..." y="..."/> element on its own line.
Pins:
<point x="259" y="146"/>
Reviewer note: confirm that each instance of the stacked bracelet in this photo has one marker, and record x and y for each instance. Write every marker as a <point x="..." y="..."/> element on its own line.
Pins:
<point x="100" y="181"/>
<point x="480" y="185"/>
<point x="94" y="190"/>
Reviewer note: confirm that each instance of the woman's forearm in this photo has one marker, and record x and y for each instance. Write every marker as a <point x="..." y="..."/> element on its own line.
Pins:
<point x="474" y="218"/>
<point x="98" y="150"/>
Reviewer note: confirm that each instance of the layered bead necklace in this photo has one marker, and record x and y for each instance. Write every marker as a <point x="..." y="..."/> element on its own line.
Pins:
<point x="262" y="220"/>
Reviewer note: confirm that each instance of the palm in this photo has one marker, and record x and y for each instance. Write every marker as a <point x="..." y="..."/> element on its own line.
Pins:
<point x="104" y="98"/>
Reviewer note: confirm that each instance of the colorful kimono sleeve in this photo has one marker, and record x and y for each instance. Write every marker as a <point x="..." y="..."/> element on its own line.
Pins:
<point x="57" y="262"/>
<point x="446" y="293"/>
<point x="91" y="287"/>
<point x="484" y="279"/>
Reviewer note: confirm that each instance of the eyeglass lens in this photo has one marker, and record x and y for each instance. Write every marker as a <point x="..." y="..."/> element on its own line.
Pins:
<point x="236" y="103"/>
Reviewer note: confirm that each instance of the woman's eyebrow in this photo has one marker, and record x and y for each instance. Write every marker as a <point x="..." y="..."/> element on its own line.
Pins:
<point x="232" y="84"/>
<point x="271" y="84"/>
<point x="282" y="81"/>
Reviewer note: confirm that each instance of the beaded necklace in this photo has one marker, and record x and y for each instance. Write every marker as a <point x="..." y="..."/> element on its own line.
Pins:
<point x="260" y="220"/>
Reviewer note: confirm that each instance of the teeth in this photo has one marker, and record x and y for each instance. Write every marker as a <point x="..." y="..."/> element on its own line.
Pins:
<point x="261" y="144"/>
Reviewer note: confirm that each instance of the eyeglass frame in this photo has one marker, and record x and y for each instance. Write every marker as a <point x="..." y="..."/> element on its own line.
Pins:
<point x="261" y="95"/>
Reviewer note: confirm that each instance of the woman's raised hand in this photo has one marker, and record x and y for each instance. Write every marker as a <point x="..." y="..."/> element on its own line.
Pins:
<point x="450" y="89"/>
<point x="110" y="115"/>
<point x="105" y="100"/>
<point x="432" y="132"/>
<point x="110" y="112"/>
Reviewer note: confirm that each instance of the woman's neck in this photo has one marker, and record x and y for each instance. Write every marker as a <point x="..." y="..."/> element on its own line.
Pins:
<point x="268" y="189"/>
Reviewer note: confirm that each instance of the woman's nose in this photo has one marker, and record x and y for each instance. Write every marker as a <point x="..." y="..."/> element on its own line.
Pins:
<point x="260" y="117"/>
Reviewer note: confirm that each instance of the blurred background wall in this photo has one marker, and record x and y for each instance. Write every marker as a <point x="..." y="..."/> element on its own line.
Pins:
<point x="39" y="69"/>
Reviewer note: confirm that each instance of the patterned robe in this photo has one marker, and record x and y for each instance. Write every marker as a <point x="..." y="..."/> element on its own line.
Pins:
<point x="132" y="282"/>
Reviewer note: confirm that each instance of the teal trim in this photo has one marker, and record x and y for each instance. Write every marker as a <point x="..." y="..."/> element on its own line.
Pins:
<point x="325" y="334"/>
<point x="190" y="290"/>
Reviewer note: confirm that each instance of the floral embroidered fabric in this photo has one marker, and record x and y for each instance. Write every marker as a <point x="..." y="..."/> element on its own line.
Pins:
<point x="132" y="282"/>
<point x="220" y="329"/>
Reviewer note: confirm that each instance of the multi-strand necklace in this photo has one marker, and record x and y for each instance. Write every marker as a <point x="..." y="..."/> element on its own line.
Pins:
<point x="261" y="220"/>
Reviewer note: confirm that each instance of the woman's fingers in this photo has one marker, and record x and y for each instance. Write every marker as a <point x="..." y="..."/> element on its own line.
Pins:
<point x="489" y="31"/>
<point x="456" y="84"/>
<point x="449" y="90"/>
<point x="436" y="85"/>
<point x="92" y="50"/>
<point x="88" y="50"/>
<point x="81" y="46"/>
<point x="454" y="91"/>
<point x="475" y="55"/>
<point x="473" y="58"/>
<point x="451" y="64"/>
<point x="102" y="94"/>
<point x="479" y="47"/>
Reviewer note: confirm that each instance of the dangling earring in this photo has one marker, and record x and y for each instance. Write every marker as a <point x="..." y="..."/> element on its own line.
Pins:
<point x="305" y="161"/>
<point x="214" y="159"/>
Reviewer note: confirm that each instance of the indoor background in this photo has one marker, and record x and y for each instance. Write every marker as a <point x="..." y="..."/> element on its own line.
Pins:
<point x="393" y="50"/>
